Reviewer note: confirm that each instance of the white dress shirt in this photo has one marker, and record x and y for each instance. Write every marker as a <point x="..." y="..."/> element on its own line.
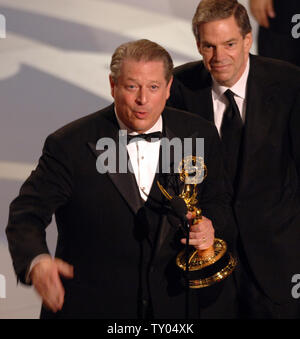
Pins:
<point x="144" y="157"/>
<point x="220" y="101"/>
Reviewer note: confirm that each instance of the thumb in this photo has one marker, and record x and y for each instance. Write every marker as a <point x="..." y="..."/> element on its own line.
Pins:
<point x="270" y="9"/>
<point x="64" y="268"/>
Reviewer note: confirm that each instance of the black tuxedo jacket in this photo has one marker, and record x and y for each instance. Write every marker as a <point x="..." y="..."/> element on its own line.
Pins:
<point x="285" y="10"/>
<point x="121" y="262"/>
<point x="266" y="200"/>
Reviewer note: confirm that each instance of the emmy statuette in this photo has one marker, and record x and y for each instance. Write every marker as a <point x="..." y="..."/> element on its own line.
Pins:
<point x="212" y="265"/>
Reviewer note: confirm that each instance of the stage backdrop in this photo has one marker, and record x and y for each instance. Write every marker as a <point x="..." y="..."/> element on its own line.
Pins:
<point x="54" y="65"/>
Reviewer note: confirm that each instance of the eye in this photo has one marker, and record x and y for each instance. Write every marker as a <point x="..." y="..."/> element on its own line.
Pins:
<point x="231" y="44"/>
<point x="130" y="87"/>
<point x="154" y="87"/>
<point x="207" y="46"/>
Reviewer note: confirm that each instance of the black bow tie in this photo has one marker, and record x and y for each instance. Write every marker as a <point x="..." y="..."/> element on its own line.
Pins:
<point x="148" y="137"/>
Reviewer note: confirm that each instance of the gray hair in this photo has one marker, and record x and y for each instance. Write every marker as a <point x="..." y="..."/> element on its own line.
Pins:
<point x="140" y="50"/>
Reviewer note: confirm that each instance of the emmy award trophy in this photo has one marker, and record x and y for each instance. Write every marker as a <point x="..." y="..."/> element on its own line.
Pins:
<point x="204" y="267"/>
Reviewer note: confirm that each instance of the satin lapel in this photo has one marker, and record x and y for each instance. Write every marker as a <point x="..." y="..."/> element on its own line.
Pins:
<point x="124" y="182"/>
<point x="259" y="111"/>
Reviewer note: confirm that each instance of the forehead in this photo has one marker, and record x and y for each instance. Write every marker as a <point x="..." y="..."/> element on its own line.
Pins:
<point x="146" y="70"/>
<point x="220" y="30"/>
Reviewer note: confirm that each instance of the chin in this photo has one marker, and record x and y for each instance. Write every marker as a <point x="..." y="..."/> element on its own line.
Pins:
<point x="222" y="80"/>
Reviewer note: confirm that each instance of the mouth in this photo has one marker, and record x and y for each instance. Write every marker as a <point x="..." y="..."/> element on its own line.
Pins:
<point x="140" y="114"/>
<point x="220" y="68"/>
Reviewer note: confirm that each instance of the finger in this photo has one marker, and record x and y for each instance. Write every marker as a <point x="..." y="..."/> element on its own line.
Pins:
<point x="196" y="243"/>
<point x="190" y="215"/>
<point x="51" y="291"/>
<point x="197" y="235"/>
<point x="264" y="21"/>
<point x="270" y="9"/>
<point x="53" y="304"/>
<point x="55" y="296"/>
<point x="64" y="268"/>
<point x="202" y="226"/>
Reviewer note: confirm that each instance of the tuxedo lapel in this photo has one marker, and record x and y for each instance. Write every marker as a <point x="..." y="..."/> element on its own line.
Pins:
<point x="124" y="182"/>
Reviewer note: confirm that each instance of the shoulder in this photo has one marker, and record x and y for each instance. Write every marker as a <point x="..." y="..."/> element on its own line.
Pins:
<point x="192" y="75"/>
<point x="188" y="68"/>
<point x="274" y="70"/>
<point x="186" y="124"/>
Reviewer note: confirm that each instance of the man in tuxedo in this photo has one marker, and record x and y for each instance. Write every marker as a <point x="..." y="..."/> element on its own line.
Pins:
<point x="255" y="104"/>
<point x="117" y="236"/>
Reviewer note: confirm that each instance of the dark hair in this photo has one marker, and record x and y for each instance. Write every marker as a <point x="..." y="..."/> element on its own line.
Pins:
<point x="210" y="10"/>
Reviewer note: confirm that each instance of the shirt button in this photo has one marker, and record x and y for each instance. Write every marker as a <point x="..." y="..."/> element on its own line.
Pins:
<point x="142" y="157"/>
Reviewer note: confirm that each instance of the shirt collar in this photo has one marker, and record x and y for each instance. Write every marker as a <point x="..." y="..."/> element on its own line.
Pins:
<point x="239" y="88"/>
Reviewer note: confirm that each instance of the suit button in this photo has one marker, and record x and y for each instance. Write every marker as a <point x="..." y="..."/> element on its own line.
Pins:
<point x="151" y="269"/>
<point x="145" y="302"/>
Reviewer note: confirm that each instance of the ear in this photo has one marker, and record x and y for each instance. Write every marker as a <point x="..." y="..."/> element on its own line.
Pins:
<point x="248" y="39"/>
<point x="199" y="46"/>
<point x="112" y="86"/>
<point x="169" y="87"/>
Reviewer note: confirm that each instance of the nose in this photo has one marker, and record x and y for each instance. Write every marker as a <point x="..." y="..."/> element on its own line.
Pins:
<point x="142" y="97"/>
<point x="218" y="53"/>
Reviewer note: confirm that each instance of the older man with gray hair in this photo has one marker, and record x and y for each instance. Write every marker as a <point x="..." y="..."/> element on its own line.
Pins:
<point x="117" y="236"/>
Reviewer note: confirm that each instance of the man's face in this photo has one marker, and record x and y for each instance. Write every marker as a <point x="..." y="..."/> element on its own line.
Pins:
<point x="224" y="50"/>
<point x="140" y="93"/>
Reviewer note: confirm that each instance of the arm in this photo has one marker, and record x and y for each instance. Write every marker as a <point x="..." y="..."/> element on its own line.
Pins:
<point x="48" y="188"/>
<point x="262" y="10"/>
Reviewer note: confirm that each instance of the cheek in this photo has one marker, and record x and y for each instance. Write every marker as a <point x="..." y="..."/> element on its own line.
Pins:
<point x="123" y="100"/>
<point x="158" y="106"/>
<point x="239" y="61"/>
<point x="207" y="59"/>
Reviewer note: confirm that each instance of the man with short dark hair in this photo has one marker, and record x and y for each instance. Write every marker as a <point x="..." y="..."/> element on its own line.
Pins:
<point x="117" y="236"/>
<point x="255" y="104"/>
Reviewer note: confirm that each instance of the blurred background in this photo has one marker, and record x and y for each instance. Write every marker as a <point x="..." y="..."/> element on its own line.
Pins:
<point x="54" y="66"/>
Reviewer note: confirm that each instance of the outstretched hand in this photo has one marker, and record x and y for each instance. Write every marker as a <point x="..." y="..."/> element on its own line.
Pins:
<point x="45" y="276"/>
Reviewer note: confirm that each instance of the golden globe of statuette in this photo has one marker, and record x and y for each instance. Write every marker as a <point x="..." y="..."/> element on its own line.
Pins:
<point x="214" y="264"/>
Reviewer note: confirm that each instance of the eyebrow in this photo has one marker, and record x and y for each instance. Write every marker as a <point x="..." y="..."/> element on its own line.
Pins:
<point x="226" y="42"/>
<point x="231" y="40"/>
<point x="135" y="80"/>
